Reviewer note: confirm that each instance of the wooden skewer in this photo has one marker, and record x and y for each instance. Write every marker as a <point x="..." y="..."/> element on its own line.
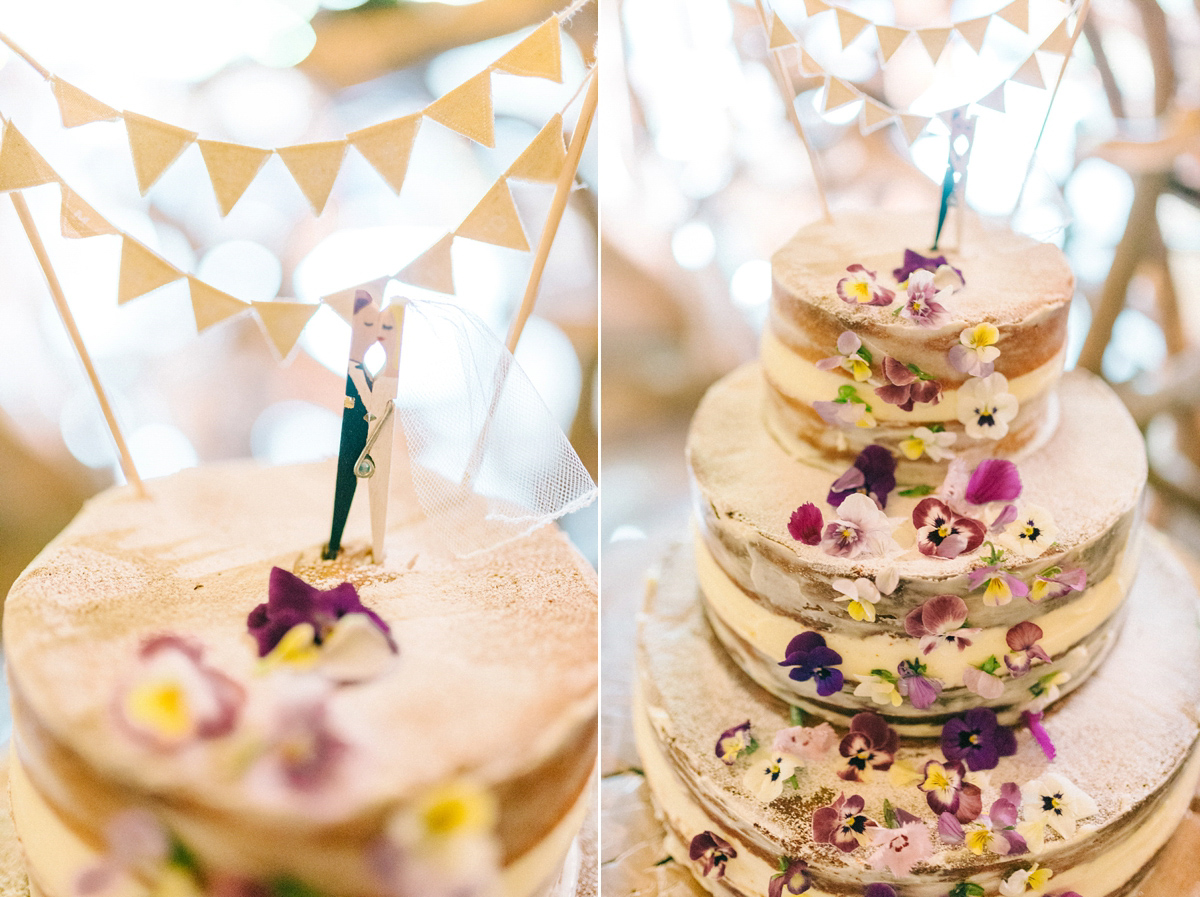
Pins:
<point x="33" y="63"/>
<point x="68" y="319"/>
<point x="562" y="192"/>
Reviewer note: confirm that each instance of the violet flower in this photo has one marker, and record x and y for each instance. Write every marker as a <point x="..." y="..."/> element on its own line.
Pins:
<point x="861" y="288"/>
<point x="977" y="739"/>
<point x="905" y="387"/>
<point x="899" y="849"/>
<point x="870" y="744"/>
<point x="812" y="659"/>
<point x="842" y="824"/>
<point x="914" y="261"/>
<point x="921" y="307"/>
<point x="1055" y="582"/>
<point x="734" y="742"/>
<point x="916" y="686"/>
<point x="995" y="834"/>
<point x="303" y="752"/>
<point x="805" y="524"/>
<point x="793" y="876"/>
<point x="873" y="474"/>
<point x="851" y="357"/>
<point x="291" y="601"/>
<point x="1022" y="639"/>
<point x="938" y="620"/>
<point x="947" y="791"/>
<point x="999" y="585"/>
<point x="993" y="480"/>
<point x="879" y="889"/>
<point x="860" y="529"/>
<point x="712" y="852"/>
<point x="1033" y="720"/>
<point x="943" y="533"/>
<point x="983" y="681"/>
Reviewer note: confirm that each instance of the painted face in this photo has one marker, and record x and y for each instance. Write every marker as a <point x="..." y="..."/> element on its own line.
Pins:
<point x="364" y="331"/>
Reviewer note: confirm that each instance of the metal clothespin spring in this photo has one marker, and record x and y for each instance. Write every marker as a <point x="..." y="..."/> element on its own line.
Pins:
<point x="364" y="467"/>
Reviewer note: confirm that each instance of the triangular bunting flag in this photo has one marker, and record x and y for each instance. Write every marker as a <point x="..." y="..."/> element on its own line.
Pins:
<point x="78" y="108"/>
<point x="850" y="26"/>
<point x="838" y="93"/>
<point x="974" y="31"/>
<point x="995" y="99"/>
<point x="494" y="220"/>
<point x="537" y="56"/>
<point x="467" y="109"/>
<point x="315" y="166"/>
<point x="77" y="219"/>
<point x="388" y="147"/>
<point x="812" y="7"/>
<point x="1057" y="41"/>
<point x="875" y="115"/>
<point x="1016" y="13"/>
<point x="890" y="40"/>
<point x="1029" y="73"/>
<point x="934" y="40"/>
<point x="231" y="168"/>
<point x="342" y="302"/>
<point x="21" y="165"/>
<point x="432" y="269"/>
<point x="912" y="125"/>
<point x="155" y="145"/>
<point x="212" y="306"/>
<point x="543" y="159"/>
<point x="283" y="322"/>
<point x="808" y="65"/>
<point x="781" y="36"/>
<point x="142" y="271"/>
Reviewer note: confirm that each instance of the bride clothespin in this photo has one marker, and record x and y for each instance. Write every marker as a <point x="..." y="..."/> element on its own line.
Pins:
<point x="375" y="461"/>
<point x="954" y="184"/>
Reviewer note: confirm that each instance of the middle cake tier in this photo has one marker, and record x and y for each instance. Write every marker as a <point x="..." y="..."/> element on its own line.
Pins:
<point x="849" y="608"/>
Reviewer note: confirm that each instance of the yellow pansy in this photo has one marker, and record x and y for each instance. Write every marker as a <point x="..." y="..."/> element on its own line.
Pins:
<point x="980" y="336"/>
<point x="297" y="649"/>
<point x="161" y="706"/>
<point x="456" y="809"/>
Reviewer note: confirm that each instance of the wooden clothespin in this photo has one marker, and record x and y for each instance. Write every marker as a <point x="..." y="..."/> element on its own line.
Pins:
<point x="954" y="184"/>
<point x="375" y="461"/>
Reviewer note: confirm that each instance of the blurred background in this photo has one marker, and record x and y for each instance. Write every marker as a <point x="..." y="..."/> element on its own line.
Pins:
<point x="705" y="177"/>
<point x="265" y="73"/>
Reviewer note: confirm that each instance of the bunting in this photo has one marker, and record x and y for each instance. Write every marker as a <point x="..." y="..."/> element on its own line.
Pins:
<point x="283" y="321"/>
<point x="432" y="269"/>
<point x="78" y="108"/>
<point x="538" y="56"/>
<point x="934" y="40"/>
<point x="543" y="159"/>
<point x="468" y="110"/>
<point x="838" y="93"/>
<point x="78" y="220"/>
<point x="21" y="165"/>
<point x="850" y="26"/>
<point x="231" y="168"/>
<point x="142" y="271"/>
<point x="212" y="306"/>
<point x="494" y="220"/>
<point x="780" y="36"/>
<point x="973" y="31"/>
<point x="890" y="40"/>
<point x="388" y="147"/>
<point x="154" y="145"/>
<point x="314" y="168"/>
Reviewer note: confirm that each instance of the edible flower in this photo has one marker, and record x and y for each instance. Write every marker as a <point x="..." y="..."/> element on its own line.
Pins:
<point x="870" y="744"/>
<point x="879" y="889"/>
<point x="997" y="833"/>
<point x="928" y="441"/>
<point x="906" y="385"/>
<point x="986" y="407"/>
<point x="1031" y="532"/>
<point x="1054" y="801"/>
<point x="135" y="843"/>
<point x="1046" y="690"/>
<point x="736" y="741"/>
<point x="899" y="849"/>
<point x="921" y="690"/>
<point x="873" y="473"/>
<point x="792" y="876"/>
<point x="993" y="480"/>
<point x="848" y="410"/>
<point x="860" y="529"/>
<point x="922" y="305"/>
<point x="852" y="356"/>
<point x="977" y="739"/>
<point x="860" y="287"/>
<point x="1033" y="719"/>
<point x="812" y="659"/>
<point x="805" y="743"/>
<point x="943" y="533"/>
<point x="302" y="750"/>
<point x="938" y="264"/>
<point x="881" y="688"/>
<point x="982" y="679"/>
<point x="766" y="775"/>
<point x="863" y="595"/>
<point x="976" y="352"/>
<point x="805" y="524"/>
<point x="938" y="620"/>
<point x="712" y="852"/>
<point x="1023" y="639"/>
<point x="947" y="791"/>
<point x="1026" y="881"/>
<point x="1054" y="582"/>
<point x="842" y="824"/>
<point x="174" y="698"/>
<point x="999" y="586"/>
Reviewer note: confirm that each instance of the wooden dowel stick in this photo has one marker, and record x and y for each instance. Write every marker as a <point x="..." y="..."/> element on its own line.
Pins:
<point x="33" y="63"/>
<point x="64" y="312"/>
<point x="562" y="192"/>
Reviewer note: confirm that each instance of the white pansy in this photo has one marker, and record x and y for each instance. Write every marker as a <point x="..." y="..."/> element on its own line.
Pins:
<point x="767" y="773"/>
<point x="1058" y="802"/>
<point x="925" y="441"/>
<point x="1031" y="881"/>
<point x="1031" y="533"/>
<point x="879" y="689"/>
<point x="985" y="407"/>
<point x="862" y="595"/>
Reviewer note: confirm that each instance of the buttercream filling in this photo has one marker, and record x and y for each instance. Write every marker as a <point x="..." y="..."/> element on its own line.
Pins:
<point x="804" y="382"/>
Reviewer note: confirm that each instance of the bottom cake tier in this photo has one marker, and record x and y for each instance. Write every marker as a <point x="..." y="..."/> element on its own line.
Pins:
<point x="924" y="817"/>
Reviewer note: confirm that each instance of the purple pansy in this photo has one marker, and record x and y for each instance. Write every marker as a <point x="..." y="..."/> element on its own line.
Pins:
<point x="916" y="686"/>
<point x="938" y="620"/>
<point x="905" y="387"/>
<point x="859" y="528"/>
<point x="942" y="533"/>
<point x="873" y="474"/>
<point x="712" y="852"/>
<point x="792" y="876"/>
<point x="303" y="752"/>
<point x="947" y="791"/>
<point x="977" y="739"/>
<point x="879" y="889"/>
<point x="1038" y="731"/>
<point x="805" y="524"/>
<point x="842" y="824"/>
<point x="870" y="744"/>
<point x="921" y="307"/>
<point x="291" y="601"/>
<point x="860" y="287"/>
<point x="993" y="480"/>
<point x="1056" y="582"/>
<point x="914" y="261"/>
<point x="1022" y="640"/>
<point x="813" y="659"/>
<point x="734" y="742"/>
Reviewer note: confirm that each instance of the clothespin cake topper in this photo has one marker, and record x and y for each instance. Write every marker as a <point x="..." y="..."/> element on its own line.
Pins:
<point x="954" y="184"/>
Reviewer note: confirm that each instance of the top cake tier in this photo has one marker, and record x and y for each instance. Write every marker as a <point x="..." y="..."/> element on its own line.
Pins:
<point x="860" y="350"/>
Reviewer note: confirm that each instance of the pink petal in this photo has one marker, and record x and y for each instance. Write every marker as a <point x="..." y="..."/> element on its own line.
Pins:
<point x="994" y="480"/>
<point x="1018" y="588"/>
<point x="927" y="391"/>
<point x="1023" y="636"/>
<point x="853" y="478"/>
<point x="970" y="803"/>
<point x="1011" y="792"/>
<point x="950" y="829"/>
<point x="1004" y="518"/>
<point x="897" y="372"/>
<point x="1039" y="733"/>
<point x="829" y="364"/>
<point x="806" y="523"/>
<point x="848" y="343"/>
